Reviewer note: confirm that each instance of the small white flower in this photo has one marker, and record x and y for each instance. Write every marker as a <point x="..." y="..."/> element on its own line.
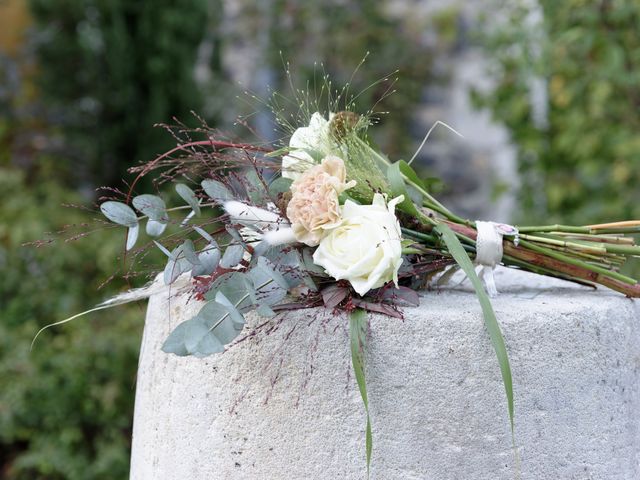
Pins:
<point x="366" y="247"/>
<point x="315" y="137"/>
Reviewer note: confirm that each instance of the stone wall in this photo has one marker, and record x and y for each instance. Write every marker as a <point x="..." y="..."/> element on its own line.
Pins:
<point x="283" y="404"/>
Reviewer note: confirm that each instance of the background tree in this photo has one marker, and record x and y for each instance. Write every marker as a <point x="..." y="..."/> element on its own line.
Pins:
<point x="578" y="141"/>
<point x="109" y="70"/>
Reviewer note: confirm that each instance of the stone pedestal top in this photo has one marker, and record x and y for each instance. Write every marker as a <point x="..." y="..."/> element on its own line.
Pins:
<point x="283" y="402"/>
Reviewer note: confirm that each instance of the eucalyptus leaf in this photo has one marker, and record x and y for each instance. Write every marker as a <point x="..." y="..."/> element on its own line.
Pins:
<point x="235" y="235"/>
<point x="280" y="185"/>
<point x="209" y="259"/>
<point x="119" y="213"/>
<point x="309" y="265"/>
<point x="203" y="233"/>
<point x="233" y="286"/>
<point x="232" y="256"/>
<point x="460" y="256"/>
<point x="234" y="314"/>
<point x="267" y="286"/>
<point x="287" y="261"/>
<point x="188" y="196"/>
<point x="155" y="228"/>
<point x="265" y="310"/>
<point x="266" y="269"/>
<point x="255" y="188"/>
<point x="175" y="342"/>
<point x="189" y="252"/>
<point x="216" y="325"/>
<point x="176" y="265"/>
<point x="217" y="190"/>
<point x="197" y="338"/>
<point x="132" y="236"/>
<point x="152" y="206"/>
<point x="163" y="249"/>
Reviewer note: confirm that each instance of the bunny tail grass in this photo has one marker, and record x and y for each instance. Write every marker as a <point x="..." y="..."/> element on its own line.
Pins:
<point x="127" y="297"/>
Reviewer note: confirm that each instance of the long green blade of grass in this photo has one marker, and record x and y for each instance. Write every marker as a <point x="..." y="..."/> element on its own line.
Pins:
<point x="460" y="256"/>
<point x="358" y="336"/>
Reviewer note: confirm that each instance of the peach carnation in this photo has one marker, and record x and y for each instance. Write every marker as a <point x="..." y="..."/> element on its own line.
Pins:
<point x="314" y="208"/>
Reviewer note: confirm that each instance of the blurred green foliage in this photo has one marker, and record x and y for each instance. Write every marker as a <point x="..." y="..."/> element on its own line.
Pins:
<point x="580" y="162"/>
<point x="108" y="70"/>
<point x="65" y="407"/>
<point x="333" y="37"/>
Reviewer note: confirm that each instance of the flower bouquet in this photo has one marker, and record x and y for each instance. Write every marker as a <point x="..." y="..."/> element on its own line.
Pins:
<point x="326" y="219"/>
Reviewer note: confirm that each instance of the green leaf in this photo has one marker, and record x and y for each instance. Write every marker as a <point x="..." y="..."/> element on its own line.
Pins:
<point x="217" y="190"/>
<point x="409" y="172"/>
<point x="119" y="213"/>
<point x="358" y="338"/>
<point x="460" y="256"/>
<point x="188" y="196"/>
<point x="152" y="206"/>
<point x="398" y="187"/>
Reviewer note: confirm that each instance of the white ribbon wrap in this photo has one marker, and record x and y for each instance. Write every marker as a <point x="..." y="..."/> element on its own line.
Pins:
<point x="489" y="250"/>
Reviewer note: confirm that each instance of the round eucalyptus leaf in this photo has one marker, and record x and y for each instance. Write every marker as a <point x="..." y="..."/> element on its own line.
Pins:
<point x="188" y="196"/>
<point x="155" y="228"/>
<point x="132" y="236"/>
<point x="152" y="206"/>
<point x="209" y="260"/>
<point x="279" y="185"/>
<point x="119" y="213"/>
<point x="217" y="190"/>
<point x="232" y="256"/>
<point x="189" y="252"/>
<point x="176" y="265"/>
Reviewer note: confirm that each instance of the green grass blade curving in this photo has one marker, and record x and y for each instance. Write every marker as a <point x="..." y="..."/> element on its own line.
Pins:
<point x="460" y="256"/>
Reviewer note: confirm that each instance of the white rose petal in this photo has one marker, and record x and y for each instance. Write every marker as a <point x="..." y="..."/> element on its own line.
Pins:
<point x="365" y="248"/>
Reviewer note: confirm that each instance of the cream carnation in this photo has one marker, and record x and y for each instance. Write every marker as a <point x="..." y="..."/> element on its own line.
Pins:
<point x="365" y="248"/>
<point x="314" y="207"/>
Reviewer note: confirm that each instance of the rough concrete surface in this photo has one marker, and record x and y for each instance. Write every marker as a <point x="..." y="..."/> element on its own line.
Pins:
<point x="283" y="404"/>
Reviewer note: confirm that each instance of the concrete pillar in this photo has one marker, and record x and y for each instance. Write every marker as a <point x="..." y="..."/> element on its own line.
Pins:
<point x="283" y="403"/>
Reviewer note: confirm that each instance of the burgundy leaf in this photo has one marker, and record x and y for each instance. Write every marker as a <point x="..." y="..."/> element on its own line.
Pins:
<point x="401" y="295"/>
<point x="377" y="308"/>
<point x="333" y="295"/>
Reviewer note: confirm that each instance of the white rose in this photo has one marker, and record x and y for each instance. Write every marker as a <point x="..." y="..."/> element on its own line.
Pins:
<point x="314" y="137"/>
<point x="365" y="248"/>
